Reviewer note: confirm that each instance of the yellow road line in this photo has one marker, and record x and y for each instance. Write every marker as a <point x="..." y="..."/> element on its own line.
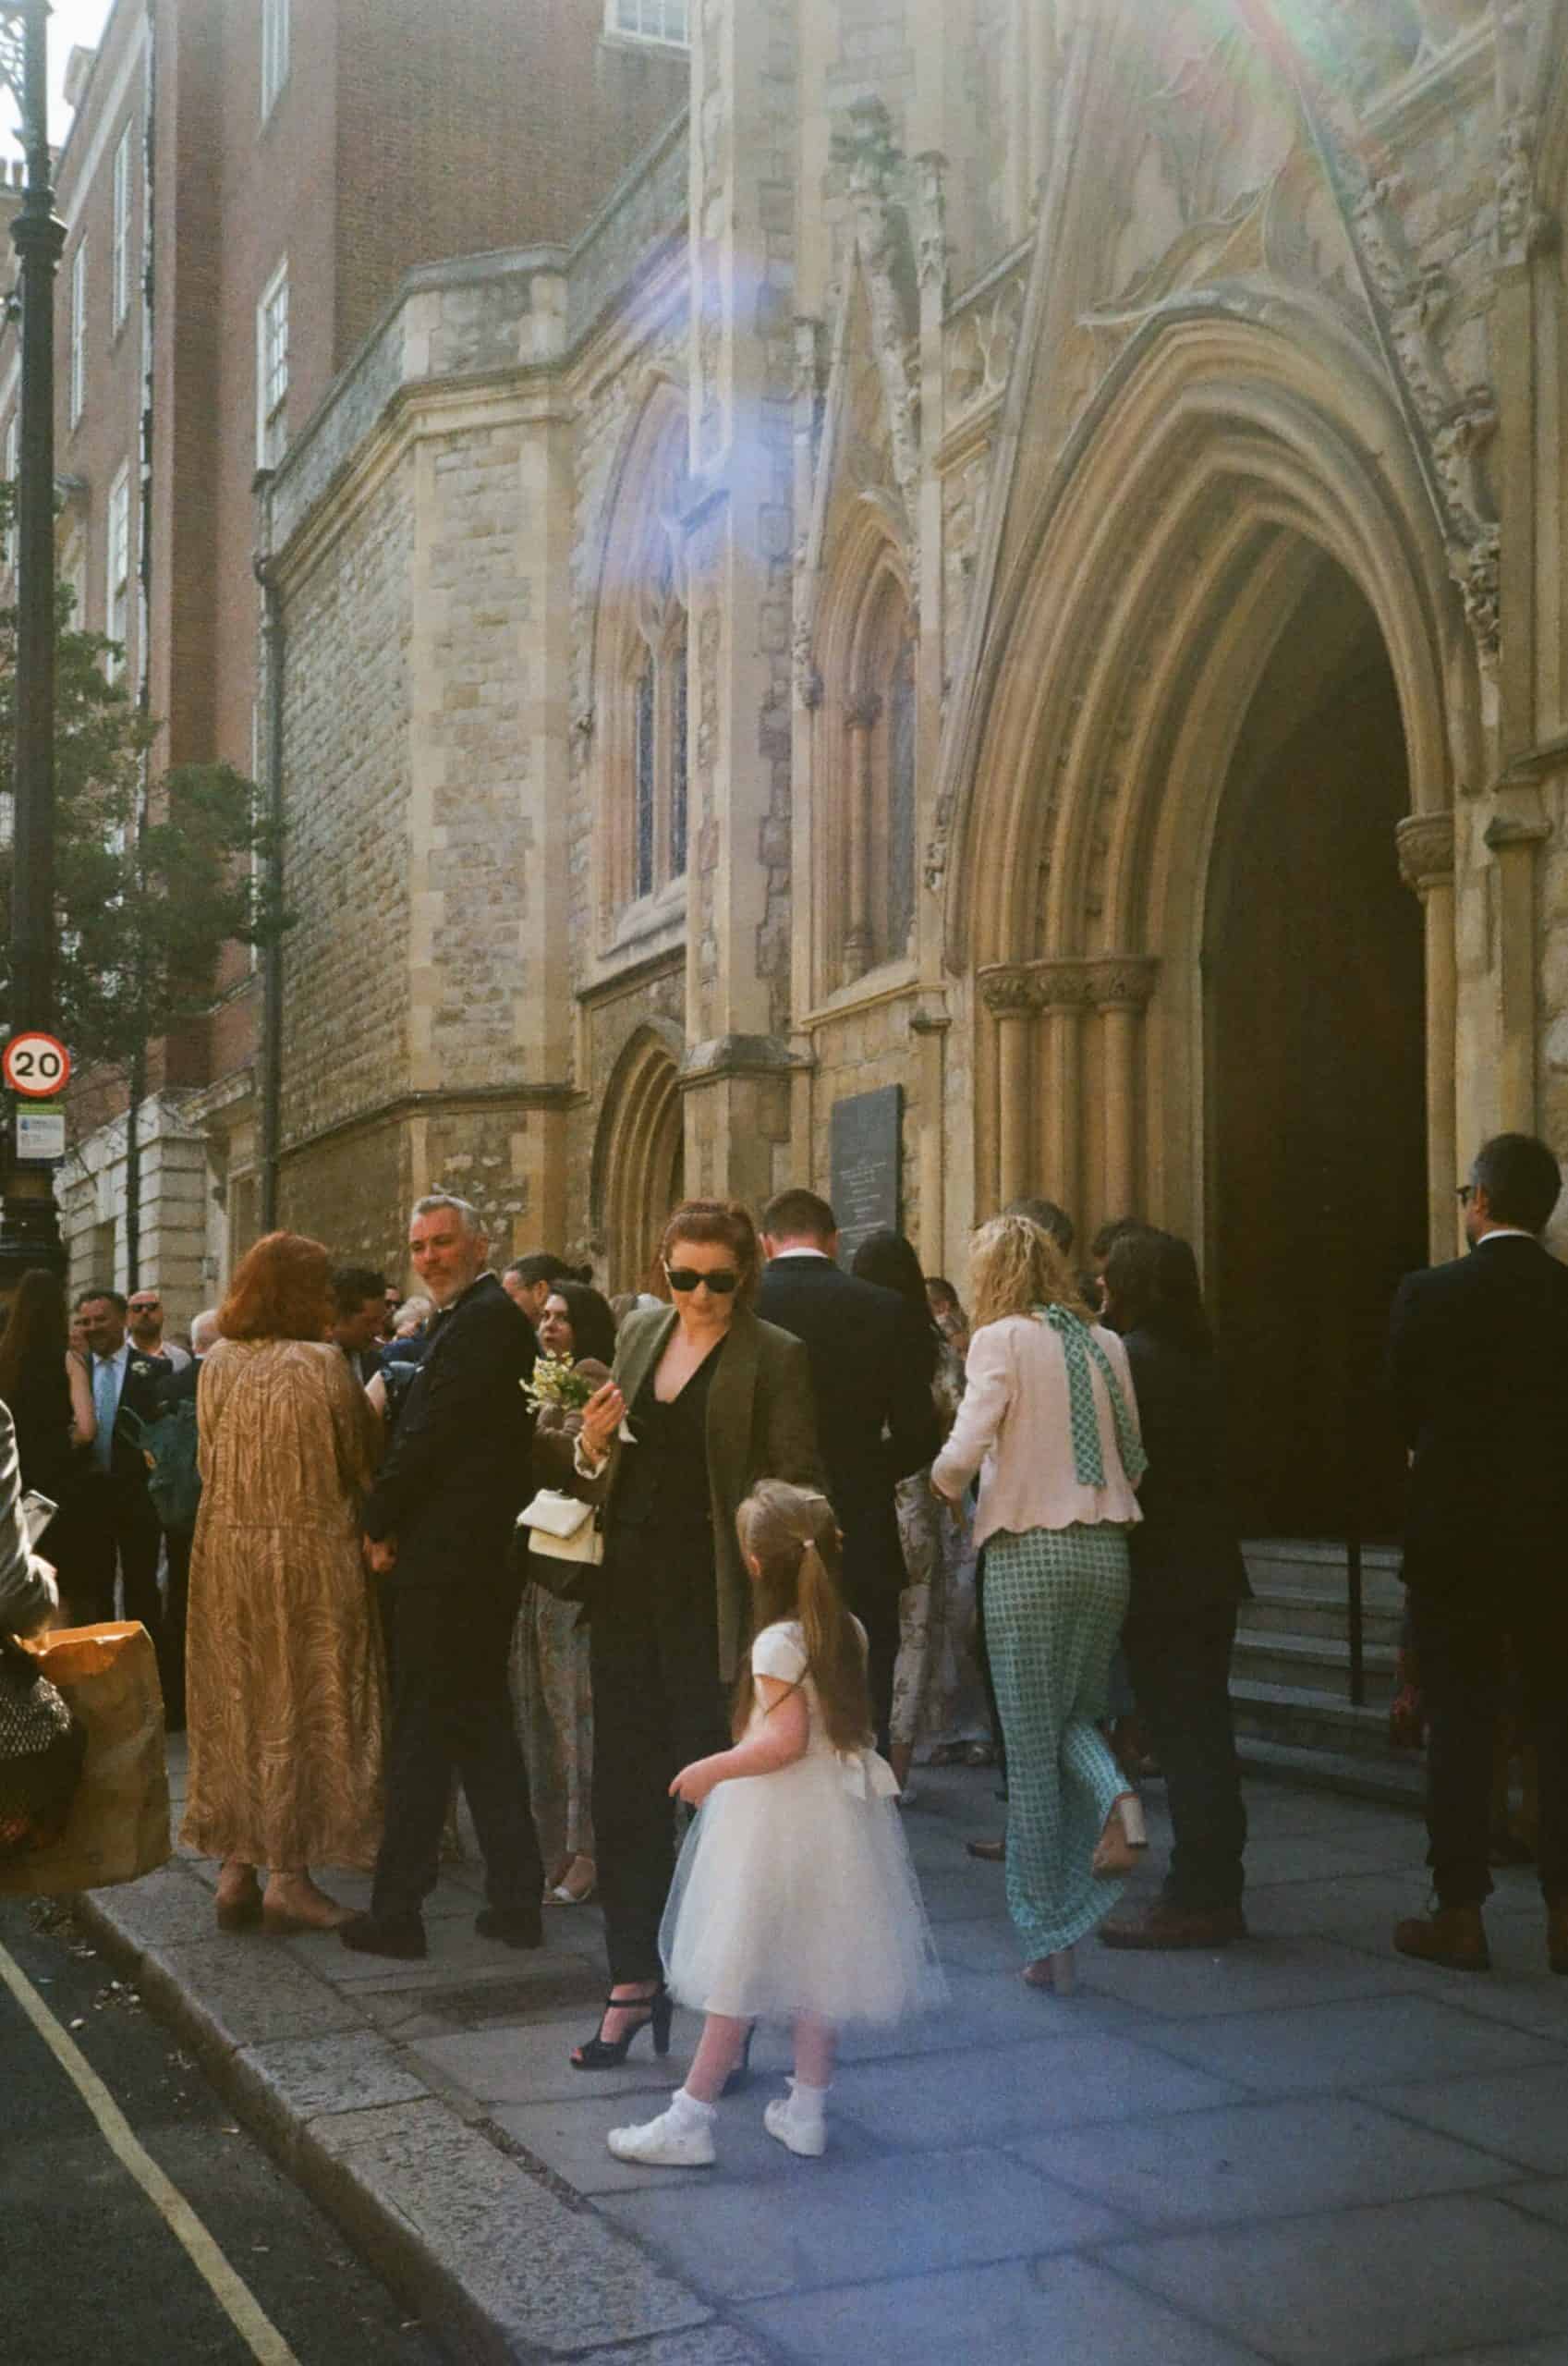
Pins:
<point x="255" y="2328"/>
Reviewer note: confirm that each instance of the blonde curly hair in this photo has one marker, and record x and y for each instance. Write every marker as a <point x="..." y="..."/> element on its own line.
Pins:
<point x="1014" y="1265"/>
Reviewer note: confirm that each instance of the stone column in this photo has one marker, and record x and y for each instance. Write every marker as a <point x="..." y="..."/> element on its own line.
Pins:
<point x="930" y="1028"/>
<point x="1064" y="990"/>
<point x="1426" y="862"/>
<point x="744" y="129"/>
<point x="1121" y="990"/>
<point x="861" y="718"/>
<point x="1511" y="839"/>
<point x="1013" y="999"/>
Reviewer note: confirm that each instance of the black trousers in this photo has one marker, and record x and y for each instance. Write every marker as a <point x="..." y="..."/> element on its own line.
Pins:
<point x="1468" y="1650"/>
<point x="1179" y="1667"/>
<point x="982" y="1660"/>
<point x="114" y="1521"/>
<point x="178" y="1543"/>
<point x="876" y="1606"/>
<point x="452" y="1712"/>
<point x="657" y="1705"/>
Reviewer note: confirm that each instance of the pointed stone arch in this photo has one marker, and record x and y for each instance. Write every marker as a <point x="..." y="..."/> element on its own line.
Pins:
<point x="1227" y="462"/>
<point x="638" y="1155"/>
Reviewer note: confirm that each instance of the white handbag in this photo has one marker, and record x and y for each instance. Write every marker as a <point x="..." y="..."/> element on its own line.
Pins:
<point x="563" y="1528"/>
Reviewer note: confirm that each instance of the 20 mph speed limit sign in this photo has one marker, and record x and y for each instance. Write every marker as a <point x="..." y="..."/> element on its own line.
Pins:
<point x="36" y="1066"/>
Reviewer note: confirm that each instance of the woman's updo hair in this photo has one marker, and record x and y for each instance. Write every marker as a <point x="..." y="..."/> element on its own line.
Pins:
<point x="717" y="1223"/>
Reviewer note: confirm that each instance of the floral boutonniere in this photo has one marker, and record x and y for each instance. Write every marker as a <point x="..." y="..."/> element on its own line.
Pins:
<point x="555" y="1381"/>
<point x="143" y="1370"/>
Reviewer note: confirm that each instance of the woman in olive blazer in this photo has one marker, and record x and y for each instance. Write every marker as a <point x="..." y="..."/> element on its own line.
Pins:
<point x="703" y="1402"/>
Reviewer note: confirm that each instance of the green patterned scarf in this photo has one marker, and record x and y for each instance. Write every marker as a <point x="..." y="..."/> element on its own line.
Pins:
<point x="1078" y="1345"/>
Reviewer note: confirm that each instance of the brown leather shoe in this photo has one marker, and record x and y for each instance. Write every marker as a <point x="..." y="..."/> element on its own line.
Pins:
<point x="989" y="1852"/>
<point x="1164" y="1925"/>
<point x="1557" y="1935"/>
<point x="1454" y="1936"/>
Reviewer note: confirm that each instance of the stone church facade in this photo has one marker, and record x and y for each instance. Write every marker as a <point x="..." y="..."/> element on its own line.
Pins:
<point x="1019" y="557"/>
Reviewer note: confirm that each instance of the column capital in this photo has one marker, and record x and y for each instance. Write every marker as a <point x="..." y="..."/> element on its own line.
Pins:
<point x="1009" y="993"/>
<point x="1123" y="982"/>
<point x="1425" y="849"/>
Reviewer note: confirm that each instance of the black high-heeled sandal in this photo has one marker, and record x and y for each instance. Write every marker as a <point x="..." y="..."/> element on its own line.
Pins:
<point x="608" y="2053"/>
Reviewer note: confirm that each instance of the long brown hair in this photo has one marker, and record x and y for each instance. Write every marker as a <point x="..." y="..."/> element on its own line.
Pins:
<point x="1014" y="1264"/>
<point x="35" y="1336"/>
<point x="282" y="1289"/>
<point x="793" y="1536"/>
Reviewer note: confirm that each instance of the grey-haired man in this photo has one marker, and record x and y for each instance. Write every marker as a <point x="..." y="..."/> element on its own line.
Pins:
<point x="438" y="1523"/>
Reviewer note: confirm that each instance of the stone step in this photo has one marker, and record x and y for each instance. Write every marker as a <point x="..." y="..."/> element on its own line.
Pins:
<point x="1307" y="1567"/>
<point x="1315" y="1663"/>
<point x="1396" y="1780"/>
<point x="1298" y="1610"/>
<point x="1307" y="1718"/>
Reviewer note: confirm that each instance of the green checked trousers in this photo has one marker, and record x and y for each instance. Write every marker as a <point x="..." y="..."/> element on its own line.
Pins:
<point x="1055" y="1603"/>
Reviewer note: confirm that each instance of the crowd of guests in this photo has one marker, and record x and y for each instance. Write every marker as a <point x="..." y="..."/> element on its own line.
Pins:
<point x="1022" y="1505"/>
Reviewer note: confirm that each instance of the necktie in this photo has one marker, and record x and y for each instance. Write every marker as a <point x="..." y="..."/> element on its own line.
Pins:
<point x="106" y="1404"/>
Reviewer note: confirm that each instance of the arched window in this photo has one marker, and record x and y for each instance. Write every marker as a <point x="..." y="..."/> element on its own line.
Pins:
<point x="870" y="756"/>
<point x="641" y="663"/>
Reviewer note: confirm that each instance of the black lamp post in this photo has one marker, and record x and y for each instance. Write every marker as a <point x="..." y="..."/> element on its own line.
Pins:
<point x="28" y="1226"/>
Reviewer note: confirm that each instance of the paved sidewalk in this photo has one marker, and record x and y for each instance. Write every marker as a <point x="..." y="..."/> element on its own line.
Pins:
<point x="1305" y="2150"/>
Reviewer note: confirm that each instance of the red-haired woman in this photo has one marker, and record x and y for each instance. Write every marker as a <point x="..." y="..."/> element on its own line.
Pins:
<point x="704" y="1400"/>
<point x="285" y="1683"/>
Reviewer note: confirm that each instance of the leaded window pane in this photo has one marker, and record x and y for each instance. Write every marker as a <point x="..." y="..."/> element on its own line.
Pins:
<point x="678" y="765"/>
<point x="642" y="884"/>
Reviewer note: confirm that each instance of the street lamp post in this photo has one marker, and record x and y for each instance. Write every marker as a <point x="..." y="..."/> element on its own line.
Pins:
<point x="28" y="1226"/>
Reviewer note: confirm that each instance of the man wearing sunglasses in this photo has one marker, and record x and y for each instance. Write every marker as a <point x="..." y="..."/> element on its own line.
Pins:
<point x="144" y="1310"/>
<point x="1479" y="1369"/>
<point x="875" y="1415"/>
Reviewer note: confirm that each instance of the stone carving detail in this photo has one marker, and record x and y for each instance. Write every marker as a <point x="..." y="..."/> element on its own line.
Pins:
<point x="1122" y="981"/>
<point x="931" y="241"/>
<point x="1425" y="849"/>
<point x="1011" y="994"/>
<point x="1090" y="981"/>
<point x="980" y="349"/>
<point x="881" y="240"/>
<point x="1523" y="230"/>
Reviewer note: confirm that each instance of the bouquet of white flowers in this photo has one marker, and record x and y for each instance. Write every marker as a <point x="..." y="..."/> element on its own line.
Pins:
<point x="553" y="1381"/>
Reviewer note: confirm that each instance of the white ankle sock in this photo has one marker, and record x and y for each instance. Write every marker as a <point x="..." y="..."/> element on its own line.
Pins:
<point x="808" y="2105"/>
<point x="688" y="2110"/>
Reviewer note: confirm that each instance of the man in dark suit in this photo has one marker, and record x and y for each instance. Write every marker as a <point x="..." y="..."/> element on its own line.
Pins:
<point x="115" y="1519"/>
<point x="438" y="1523"/>
<point x="1479" y="1368"/>
<point x="178" y="1541"/>
<point x="359" y="1299"/>
<point x="876" y="1421"/>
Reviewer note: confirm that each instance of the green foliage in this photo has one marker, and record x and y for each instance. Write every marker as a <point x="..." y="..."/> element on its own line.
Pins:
<point x="151" y="879"/>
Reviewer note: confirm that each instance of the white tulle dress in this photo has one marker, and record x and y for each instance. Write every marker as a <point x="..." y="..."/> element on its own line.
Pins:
<point x="795" y="1892"/>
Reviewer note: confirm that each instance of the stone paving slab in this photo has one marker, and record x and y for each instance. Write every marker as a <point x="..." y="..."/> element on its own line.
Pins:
<point x="1027" y="2312"/>
<point x="568" y="2137"/>
<point x="1259" y="2161"/>
<point x="847" y="2224"/>
<point x="1366" y="2288"/>
<point x="1358" y="2045"/>
<point x="1547" y="2199"/>
<point x="1268" y="1973"/>
<point x="1520" y="2115"/>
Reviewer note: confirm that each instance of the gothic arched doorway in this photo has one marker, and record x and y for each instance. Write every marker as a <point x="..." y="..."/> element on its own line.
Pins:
<point x="640" y="1158"/>
<point x="1316" y="1074"/>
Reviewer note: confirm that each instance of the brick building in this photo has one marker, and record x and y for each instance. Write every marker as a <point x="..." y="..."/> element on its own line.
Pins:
<point x="1018" y="558"/>
<point x="244" y="185"/>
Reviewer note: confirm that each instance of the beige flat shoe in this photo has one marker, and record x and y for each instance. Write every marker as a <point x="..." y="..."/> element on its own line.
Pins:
<point x="1124" y="1840"/>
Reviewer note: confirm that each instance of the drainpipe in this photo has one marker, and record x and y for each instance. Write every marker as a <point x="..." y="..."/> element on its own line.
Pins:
<point x="275" y="649"/>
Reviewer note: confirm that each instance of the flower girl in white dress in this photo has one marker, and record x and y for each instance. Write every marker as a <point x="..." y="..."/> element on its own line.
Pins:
<point x="795" y="1897"/>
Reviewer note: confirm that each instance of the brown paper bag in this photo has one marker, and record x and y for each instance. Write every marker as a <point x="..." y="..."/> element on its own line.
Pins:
<point x="119" y="1824"/>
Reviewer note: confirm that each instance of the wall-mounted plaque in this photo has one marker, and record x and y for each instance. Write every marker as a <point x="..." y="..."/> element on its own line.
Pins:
<point x="867" y="1140"/>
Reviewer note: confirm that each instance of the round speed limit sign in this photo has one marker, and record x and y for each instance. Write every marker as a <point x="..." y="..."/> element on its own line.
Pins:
<point x="36" y="1066"/>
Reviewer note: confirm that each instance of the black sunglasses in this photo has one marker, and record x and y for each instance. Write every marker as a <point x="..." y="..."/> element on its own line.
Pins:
<point x="685" y="1278"/>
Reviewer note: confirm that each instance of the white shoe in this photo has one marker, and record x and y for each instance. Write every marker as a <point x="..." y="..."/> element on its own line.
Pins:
<point x="663" y="2144"/>
<point x="808" y="2137"/>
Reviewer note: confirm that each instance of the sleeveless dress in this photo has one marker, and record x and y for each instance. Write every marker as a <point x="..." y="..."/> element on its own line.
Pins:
<point x="795" y="1892"/>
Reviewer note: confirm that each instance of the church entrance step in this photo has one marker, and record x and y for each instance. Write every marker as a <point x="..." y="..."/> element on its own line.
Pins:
<point x="1396" y="1780"/>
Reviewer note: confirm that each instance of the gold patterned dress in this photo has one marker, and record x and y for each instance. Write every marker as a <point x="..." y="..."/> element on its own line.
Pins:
<point x="285" y="1684"/>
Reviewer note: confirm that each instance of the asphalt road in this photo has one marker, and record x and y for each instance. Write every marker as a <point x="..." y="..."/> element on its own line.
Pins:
<point x="90" y="2266"/>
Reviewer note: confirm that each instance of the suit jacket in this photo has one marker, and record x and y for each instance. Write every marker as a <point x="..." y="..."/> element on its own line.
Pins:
<point x="146" y="1377"/>
<point x="1479" y="1370"/>
<point x="761" y="1424"/>
<point x="1184" y="1552"/>
<point x="871" y="1364"/>
<point x="458" y="1469"/>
